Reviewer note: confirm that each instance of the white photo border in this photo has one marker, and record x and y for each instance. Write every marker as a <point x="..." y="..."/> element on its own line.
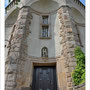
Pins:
<point x="87" y="44"/>
<point x="2" y="58"/>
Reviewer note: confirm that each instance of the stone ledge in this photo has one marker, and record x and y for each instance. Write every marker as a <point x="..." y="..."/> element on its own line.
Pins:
<point x="79" y="86"/>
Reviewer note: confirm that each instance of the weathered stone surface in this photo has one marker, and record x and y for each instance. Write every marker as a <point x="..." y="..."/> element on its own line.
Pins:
<point x="69" y="30"/>
<point x="83" y="88"/>
<point x="69" y="79"/>
<point x="68" y="74"/>
<point x="66" y="17"/>
<point x="71" y="68"/>
<point x="70" y="88"/>
<point x="71" y="64"/>
<point x="69" y="84"/>
<point x="68" y="42"/>
<point x="17" y="41"/>
<point x="11" y="84"/>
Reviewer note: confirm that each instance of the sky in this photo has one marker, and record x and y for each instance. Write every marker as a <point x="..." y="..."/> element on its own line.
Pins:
<point x="83" y="1"/>
<point x="6" y="2"/>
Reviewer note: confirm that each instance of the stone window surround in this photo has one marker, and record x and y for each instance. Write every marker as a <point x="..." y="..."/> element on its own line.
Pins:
<point x="41" y="24"/>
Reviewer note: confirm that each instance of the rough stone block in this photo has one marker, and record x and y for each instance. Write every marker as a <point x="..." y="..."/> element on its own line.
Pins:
<point x="25" y="88"/>
<point x="69" y="84"/>
<point x="83" y="88"/>
<point x="70" y="50"/>
<point x="11" y="77"/>
<point x="68" y="26"/>
<point x="72" y="59"/>
<point x="66" y="64"/>
<point x="60" y="11"/>
<point x="71" y="69"/>
<point x="67" y="23"/>
<point x="24" y="16"/>
<point x="71" y="64"/>
<point x="67" y="70"/>
<point x="60" y="16"/>
<point x="68" y="75"/>
<point x="69" y="79"/>
<point x="64" y="88"/>
<point x="20" y="31"/>
<point x="21" y="27"/>
<point x="69" y="30"/>
<point x="11" y="84"/>
<point x="71" y="55"/>
<point x="79" y="89"/>
<point x="66" y="17"/>
<point x="62" y="21"/>
<point x="70" y="88"/>
<point x="9" y="88"/>
<point x="70" y="38"/>
<point x="61" y="34"/>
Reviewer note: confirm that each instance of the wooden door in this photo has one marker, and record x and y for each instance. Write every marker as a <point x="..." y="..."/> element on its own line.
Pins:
<point x="44" y="78"/>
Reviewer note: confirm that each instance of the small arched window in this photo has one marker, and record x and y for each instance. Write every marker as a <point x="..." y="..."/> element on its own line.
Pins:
<point x="44" y="52"/>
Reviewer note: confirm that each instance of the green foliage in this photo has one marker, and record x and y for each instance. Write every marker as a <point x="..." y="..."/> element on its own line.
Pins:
<point x="79" y="73"/>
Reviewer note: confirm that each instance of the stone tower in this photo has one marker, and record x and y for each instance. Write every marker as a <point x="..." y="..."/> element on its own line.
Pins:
<point x="40" y="39"/>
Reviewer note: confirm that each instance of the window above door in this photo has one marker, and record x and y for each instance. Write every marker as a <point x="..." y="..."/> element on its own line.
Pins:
<point x="45" y="32"/>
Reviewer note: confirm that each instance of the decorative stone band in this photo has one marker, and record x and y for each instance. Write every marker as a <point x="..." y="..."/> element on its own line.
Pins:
<point x="17" y="49"/>
<point x="68" y="42"/>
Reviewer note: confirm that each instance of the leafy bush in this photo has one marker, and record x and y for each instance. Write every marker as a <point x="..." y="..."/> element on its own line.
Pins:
<point x="78" y="74"/>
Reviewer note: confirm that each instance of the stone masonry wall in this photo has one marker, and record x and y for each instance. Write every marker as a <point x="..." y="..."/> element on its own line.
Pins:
<point x="17" y="50"/>
<point x="69" y="41"/>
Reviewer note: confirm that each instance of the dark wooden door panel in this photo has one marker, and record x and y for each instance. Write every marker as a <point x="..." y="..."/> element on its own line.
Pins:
<point x="44" y="78"/>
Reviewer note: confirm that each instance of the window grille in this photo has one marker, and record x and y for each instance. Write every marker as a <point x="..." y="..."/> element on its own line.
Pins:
<point x="44" y="31"/>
